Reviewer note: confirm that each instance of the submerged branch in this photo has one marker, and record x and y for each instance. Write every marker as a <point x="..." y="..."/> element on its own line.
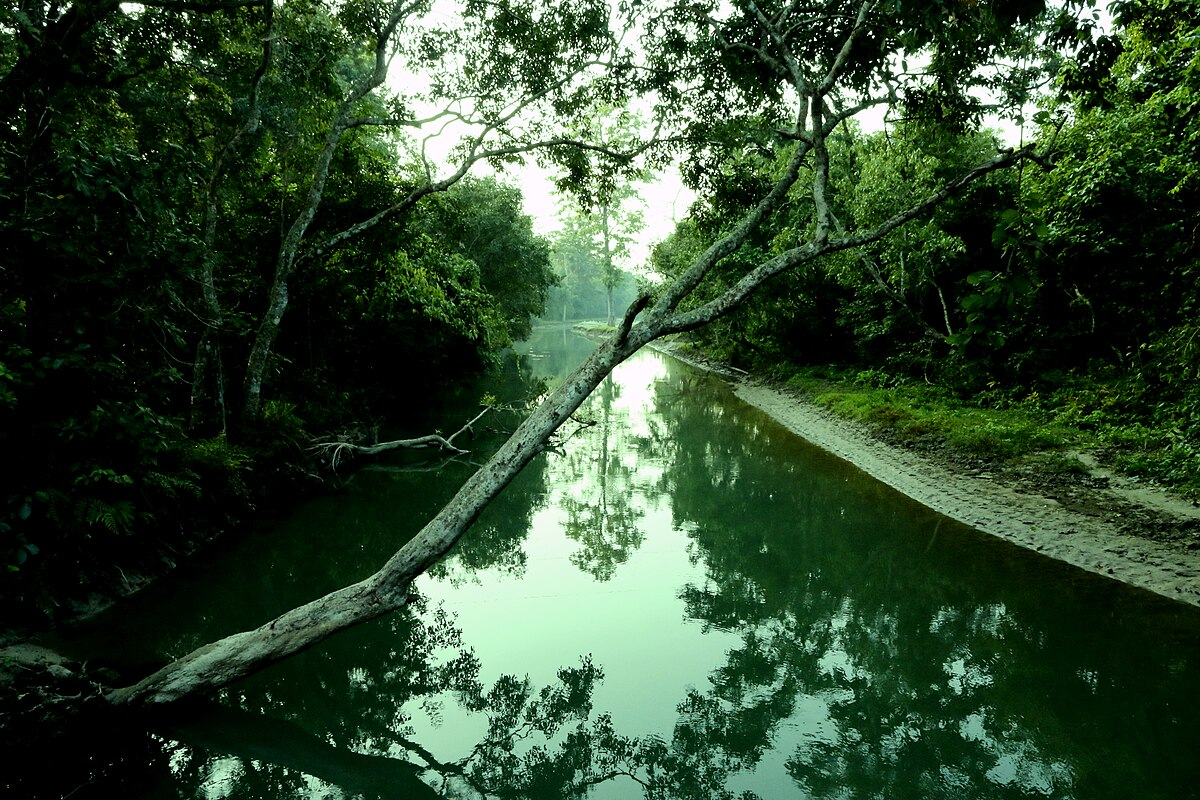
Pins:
<point x="337" y="450"/>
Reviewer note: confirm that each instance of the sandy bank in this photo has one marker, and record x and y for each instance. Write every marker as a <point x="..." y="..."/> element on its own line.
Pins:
<point x="1099" y="539"/>
<point x="1104" y="523"/>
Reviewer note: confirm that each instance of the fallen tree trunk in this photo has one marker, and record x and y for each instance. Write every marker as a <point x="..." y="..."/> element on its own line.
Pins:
<point x="337" y="450"/>
<point x="222" y="662"/>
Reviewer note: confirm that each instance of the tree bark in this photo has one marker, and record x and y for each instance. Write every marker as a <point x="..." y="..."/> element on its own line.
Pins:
<point x="285" y="262"/>
<point x="610" y="272"/>
<point x="209" y="406"/>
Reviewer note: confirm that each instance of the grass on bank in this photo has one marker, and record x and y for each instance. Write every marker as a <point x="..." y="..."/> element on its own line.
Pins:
<point x="993" y="426"/>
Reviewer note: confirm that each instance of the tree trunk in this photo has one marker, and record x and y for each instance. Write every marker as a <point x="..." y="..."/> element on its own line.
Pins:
<point x="209" y="409"/>
<point x="208" y="416"/>
<point x="610" y="272"/>
<point x="222" y="662"/>
<point x="264" y="338"/>
<point x="219" y="663"/>
<point x="285" y="262"/>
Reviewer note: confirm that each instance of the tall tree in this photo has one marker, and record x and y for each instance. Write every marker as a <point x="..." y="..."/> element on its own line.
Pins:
<point x="598" y="238"/>
<point x="614" y="210"/>
<point x="577" y="265"/>
<point x="497" y="106"/>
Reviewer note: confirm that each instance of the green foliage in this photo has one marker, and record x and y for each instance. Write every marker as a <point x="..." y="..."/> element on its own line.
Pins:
<point x="150" y="162"/>
<point x="588" y="283"/>
<point x="593" y="247"/>
<point x="1065" y="289"/>
<point x="911" y="412"/>
<point x="483" y="220"/>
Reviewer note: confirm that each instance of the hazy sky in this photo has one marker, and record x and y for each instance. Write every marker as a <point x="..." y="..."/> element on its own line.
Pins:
<point x="665" y="199"/>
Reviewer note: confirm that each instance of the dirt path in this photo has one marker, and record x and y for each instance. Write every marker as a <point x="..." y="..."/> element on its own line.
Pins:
<point x="1101" y="522"/>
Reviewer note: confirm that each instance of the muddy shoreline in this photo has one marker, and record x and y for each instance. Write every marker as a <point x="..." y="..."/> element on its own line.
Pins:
<point x="1101" y="522"/>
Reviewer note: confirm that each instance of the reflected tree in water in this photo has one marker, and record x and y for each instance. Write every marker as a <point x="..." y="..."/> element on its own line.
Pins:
<point x="273" y="738"/>
<point x="600" y="513"/>
<point x="872" y="663"/>
<point x="497" y="537"/>
<point x="873" y="677"/>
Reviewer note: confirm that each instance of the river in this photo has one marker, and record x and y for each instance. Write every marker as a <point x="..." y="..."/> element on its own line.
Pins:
<point x="679" y="600"/>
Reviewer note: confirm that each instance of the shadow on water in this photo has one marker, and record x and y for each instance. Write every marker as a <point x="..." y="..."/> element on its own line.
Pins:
<point x="682" y="601"/>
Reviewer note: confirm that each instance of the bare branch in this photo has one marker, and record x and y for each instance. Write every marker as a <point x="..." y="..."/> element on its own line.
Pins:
<point x="838" y="117"/>
<point x="760" y="53"/>
<point x="336" y="450"/>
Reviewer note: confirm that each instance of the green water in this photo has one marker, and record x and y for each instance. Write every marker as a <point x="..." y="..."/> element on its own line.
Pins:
<point x="681" y="600"/>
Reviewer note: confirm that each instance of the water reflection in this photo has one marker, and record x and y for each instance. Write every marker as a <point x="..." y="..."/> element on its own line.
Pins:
<point x="882" y="658"/>
<point x="682" y="602"/>
<point x="600" y="515"/>
<point x="530" y="739"/>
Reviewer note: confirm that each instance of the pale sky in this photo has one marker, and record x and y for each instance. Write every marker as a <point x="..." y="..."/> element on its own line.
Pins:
<point x="665" y="200"/>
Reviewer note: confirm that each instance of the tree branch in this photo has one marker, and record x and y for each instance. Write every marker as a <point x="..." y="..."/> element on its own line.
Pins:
<point x="336" y="450"/>
<point x="631" y="313"/>
<point x="434" y="187"/>
<point x="286" y="259"/>
<point x="839" y="61"/>
<point x="785" y="52"/>
<point x="789" y="259"/>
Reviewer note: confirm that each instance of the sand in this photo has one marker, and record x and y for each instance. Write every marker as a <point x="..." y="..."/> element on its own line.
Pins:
<point x="1109" y="527"/>
<point x="1104" y="523"/>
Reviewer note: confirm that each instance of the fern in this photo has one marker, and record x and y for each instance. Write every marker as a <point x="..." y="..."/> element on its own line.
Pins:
<point x="172" y="486"/>
<point x="116" y="518"/>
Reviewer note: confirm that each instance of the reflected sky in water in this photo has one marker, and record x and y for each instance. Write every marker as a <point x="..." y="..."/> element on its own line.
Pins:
<point x="679" y="600"/>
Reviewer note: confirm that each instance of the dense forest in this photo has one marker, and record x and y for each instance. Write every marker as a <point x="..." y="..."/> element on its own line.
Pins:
<point x="174" y="180"/>
<point x="1067" y="287"/>
<point x="224" y="233"/>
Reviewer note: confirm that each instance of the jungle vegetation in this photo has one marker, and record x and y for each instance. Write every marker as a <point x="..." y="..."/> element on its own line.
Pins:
<point x="224" y="233"/>
<point x="1064" y="291"/>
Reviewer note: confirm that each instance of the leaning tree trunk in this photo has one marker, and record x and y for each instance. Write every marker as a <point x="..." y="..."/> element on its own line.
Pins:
<point x="219" y="663"/>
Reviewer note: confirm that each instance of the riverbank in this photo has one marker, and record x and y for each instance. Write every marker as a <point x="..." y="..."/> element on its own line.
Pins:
<point x="1096" y="520"/>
